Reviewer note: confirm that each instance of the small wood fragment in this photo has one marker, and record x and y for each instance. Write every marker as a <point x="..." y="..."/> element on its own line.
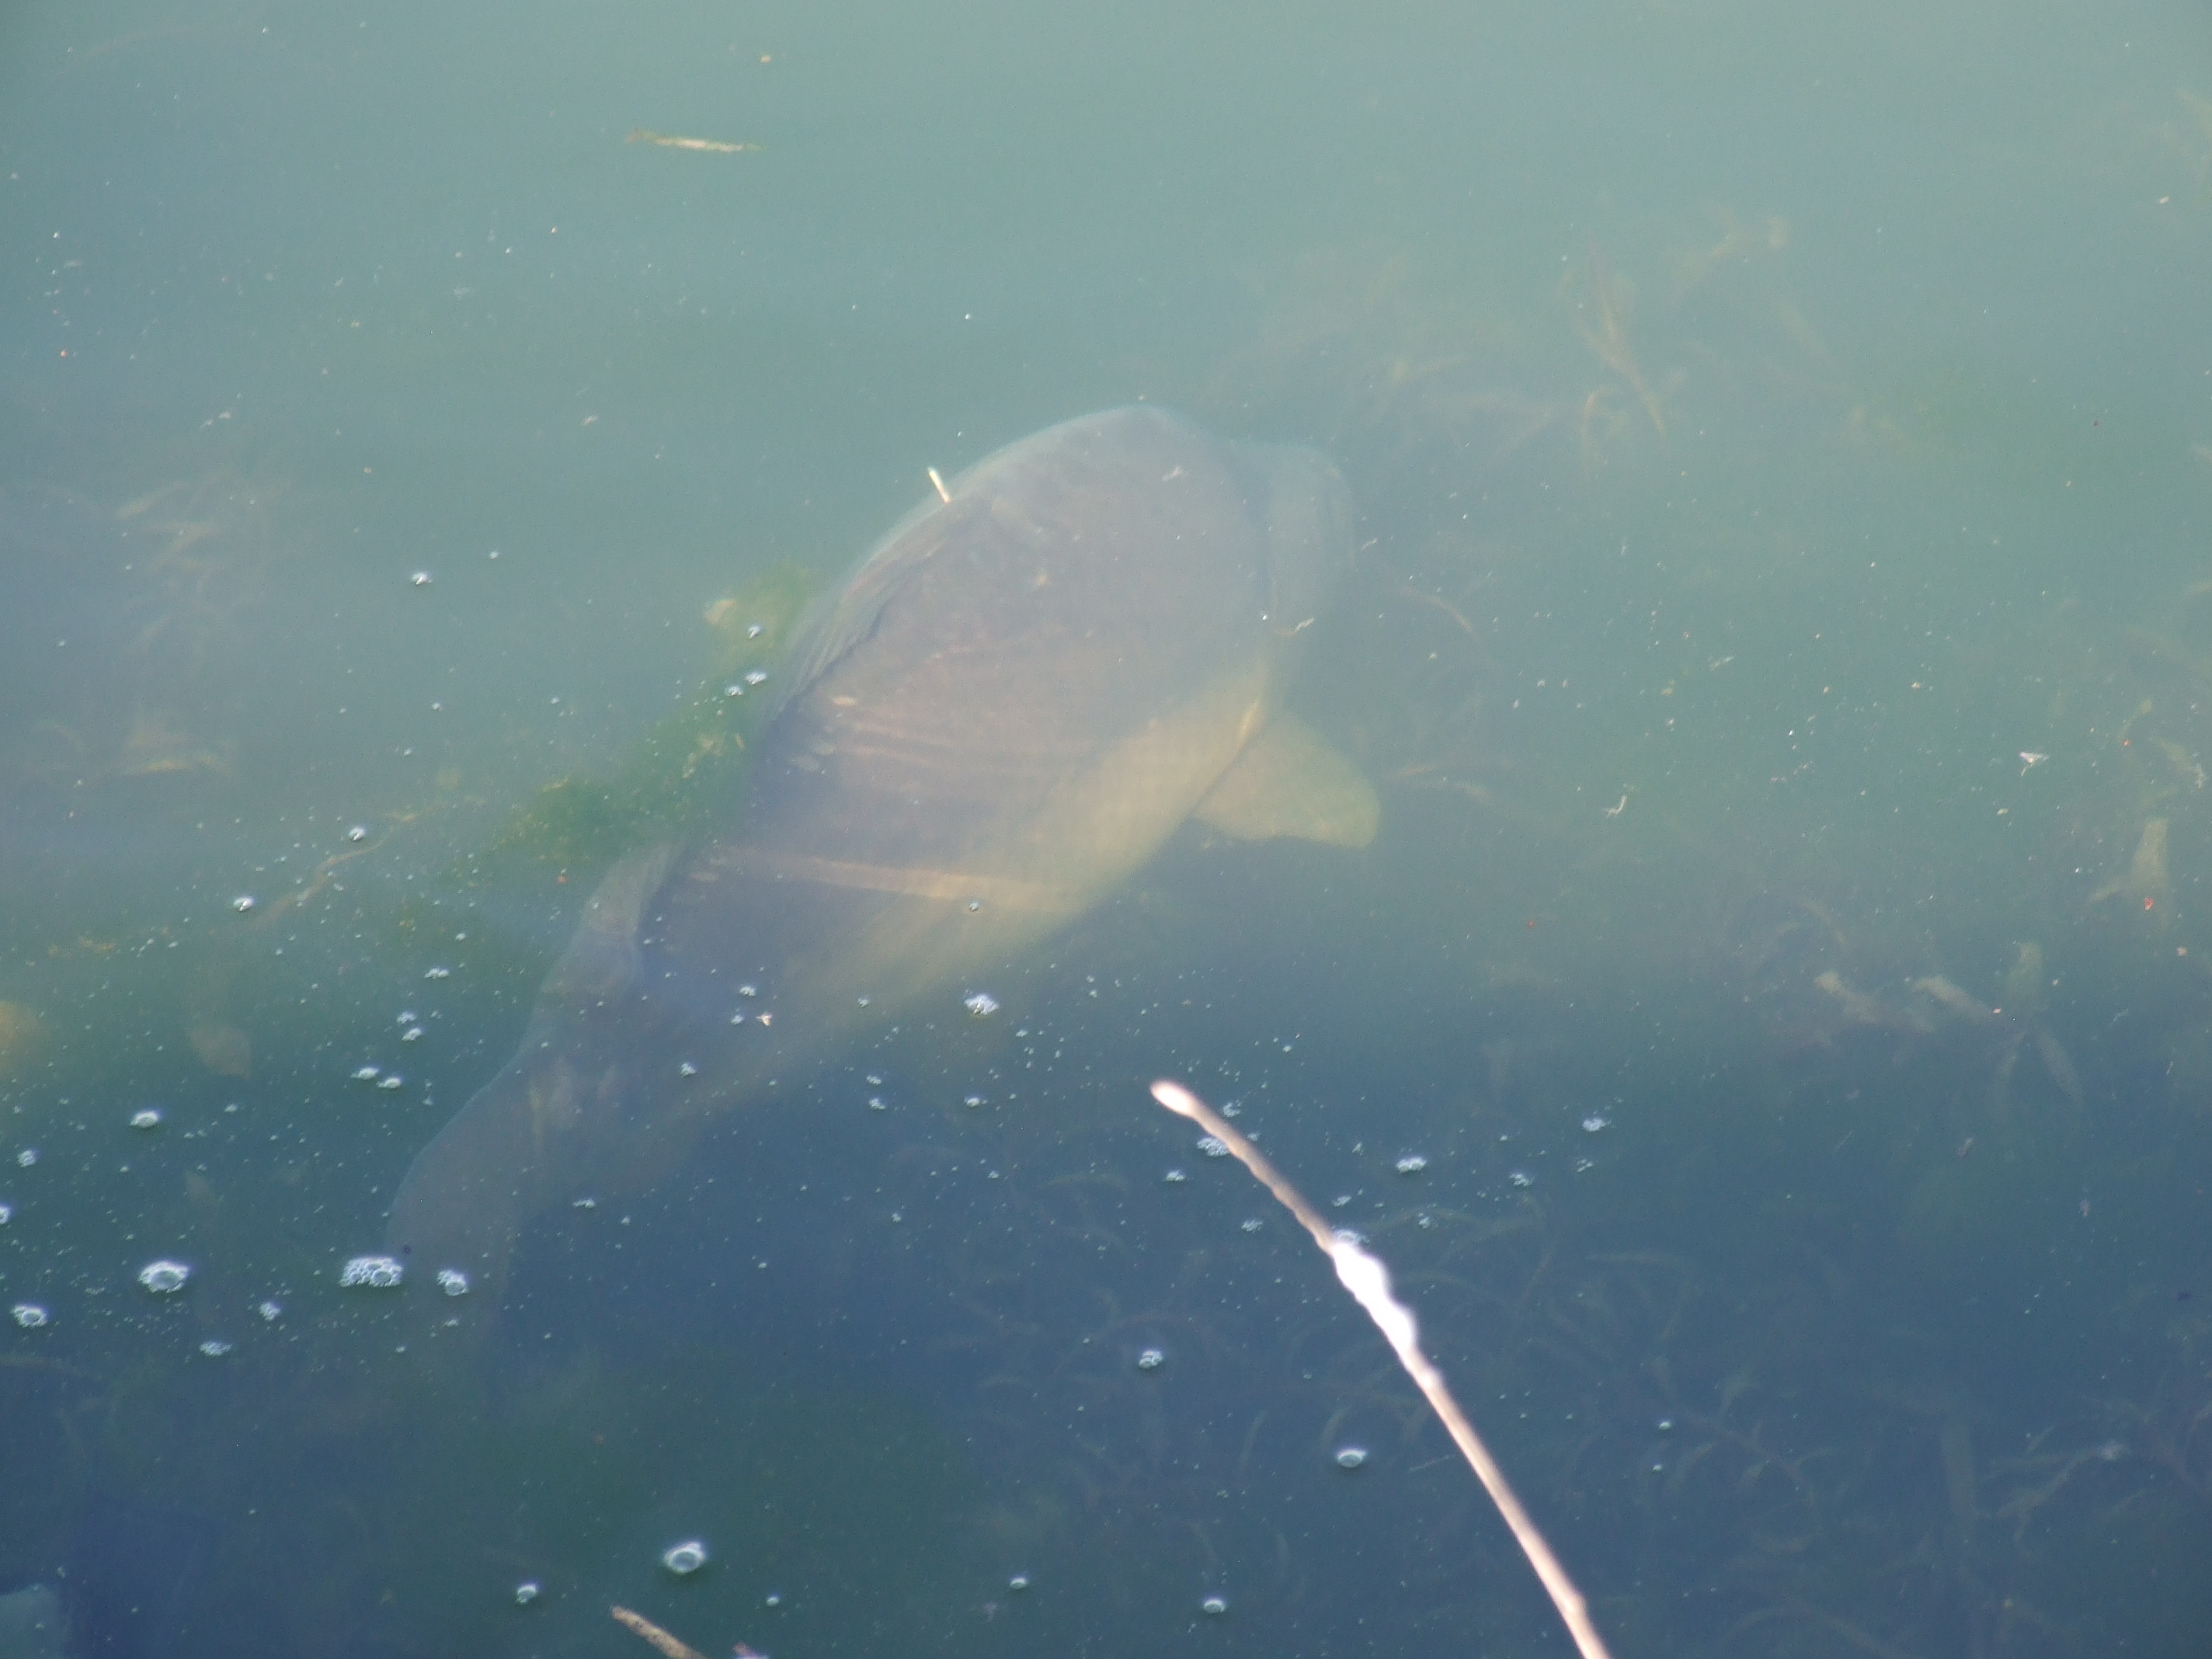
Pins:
<point x="672" y="1646"/>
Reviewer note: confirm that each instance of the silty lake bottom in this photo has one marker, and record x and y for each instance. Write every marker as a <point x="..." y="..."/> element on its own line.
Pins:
<point x="1768" y="1037"/>
<point x="1803" y="1186"/>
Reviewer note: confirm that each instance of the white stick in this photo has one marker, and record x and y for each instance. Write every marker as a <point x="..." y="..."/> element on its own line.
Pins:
<point x="1368" y="1281"/>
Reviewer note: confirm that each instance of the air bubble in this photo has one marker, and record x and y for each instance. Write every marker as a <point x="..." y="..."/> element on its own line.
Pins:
<point x="243" y="903"/>
<point x="376" y="1272"/>
<point x="685" y="1558"/>
<point x="420" y="579"/>
<point x="1214" y="1605"/>
<point x="981" y="1003"/>
<point x="752" y="631"/>
<point x="1018" y="1582"/>
<point x="1351" y="1457"/>
<point x="525" y="1593"/>
<point x="452" y="1281"/>
<point x="146" y="1117"/>
<point x="391" y="1081"/>
<point x="29" y="1315"/>
<point x="164" y="1278"/>
<point x="1151" y="1360"/>
<point x="972" y="1102"/>
<point x="1411" y="1163"/>
<point x="364" y="1074"/>
<point x="359" y="832"/>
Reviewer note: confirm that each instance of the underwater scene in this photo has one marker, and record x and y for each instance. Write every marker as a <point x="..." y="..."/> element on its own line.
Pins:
<point x="655" y="661"/>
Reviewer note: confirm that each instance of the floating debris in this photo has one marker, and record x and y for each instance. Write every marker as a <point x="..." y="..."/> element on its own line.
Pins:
<point x="704" y="146"/>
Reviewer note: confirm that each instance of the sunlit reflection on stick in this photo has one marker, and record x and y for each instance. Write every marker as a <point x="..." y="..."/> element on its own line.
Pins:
<point x="1368" y="1281"/>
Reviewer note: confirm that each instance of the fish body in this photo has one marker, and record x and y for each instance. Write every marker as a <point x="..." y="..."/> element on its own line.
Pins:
<point x="1015" y="700"/>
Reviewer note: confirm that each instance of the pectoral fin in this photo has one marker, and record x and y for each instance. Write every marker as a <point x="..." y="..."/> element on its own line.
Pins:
<point x="1289" y="781"/>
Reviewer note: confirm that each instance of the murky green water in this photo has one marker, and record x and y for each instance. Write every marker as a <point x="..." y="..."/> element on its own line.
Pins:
<point x="1780" y="636"/>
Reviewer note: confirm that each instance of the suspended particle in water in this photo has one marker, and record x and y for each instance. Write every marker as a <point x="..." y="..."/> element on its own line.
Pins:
<point x="972" y="1102"/>
<point x="1521" y="1178"/>
<point x="438" y="973"/>
<point x="752" y="631"/>
<point x="452" y="1281"/>
<point x="29" y="1315"/>
<point x="376" y="1273"/>
<point x="1594" y="1123"/>
<point x="981" y="1003"/>
<point x="270" y="1311"/>
<point x="1340" y="1201"/>
<point x="407" y="1017"/>
<point x="1584" y="1165"/>
<point x="26" y="1157"/>
<point x="1151" y="1360"/>
<point x="215" y="1347"/>
<point x="364" y="1074"/>
<point x="391" y="1081"/>
<point x="755" y="676"/>
<point x="6" y="1213"/>
<point x="242" y="903"/>
<point x="733" y="690"/>
<point x="164" y="1278"/>
<point x="1214" y="1605"/>
<point x="146" y="1117"/>
<point x="1252" y="1224"/>
<point x="1174" y="1176"/>
<point x="1351" y="1457"/>
<point x="1411" y="1163"/>
<point x="1018" y="1582"/>
<point x="973" y="905"/>
<point x="687" y="1069"/>
<point x="876" y="1104"/>
<point x="525" y="1593"/>
<point x="864" y="1002"/>
<point x="748" y="990"/>
<point x="1213" y="1146"/>
<point x="738" y="1018"/>
<point x="685" y="1558"/>
<point x="874" y="1082"/>
<point x="765" y="1017"/>
<point x="412" y="1034"/>
<point x="420" y="579"/>
<point x="358" y="833"/>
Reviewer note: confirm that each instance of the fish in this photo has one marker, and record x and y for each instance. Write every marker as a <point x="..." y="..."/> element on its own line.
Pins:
<point x="1079" y="644"/>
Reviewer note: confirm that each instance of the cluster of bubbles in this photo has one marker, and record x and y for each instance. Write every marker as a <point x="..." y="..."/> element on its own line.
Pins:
<point x="378" y="1272"/>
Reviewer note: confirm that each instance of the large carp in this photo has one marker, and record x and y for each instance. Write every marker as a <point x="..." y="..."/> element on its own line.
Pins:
<point x="1018" y="695"/>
